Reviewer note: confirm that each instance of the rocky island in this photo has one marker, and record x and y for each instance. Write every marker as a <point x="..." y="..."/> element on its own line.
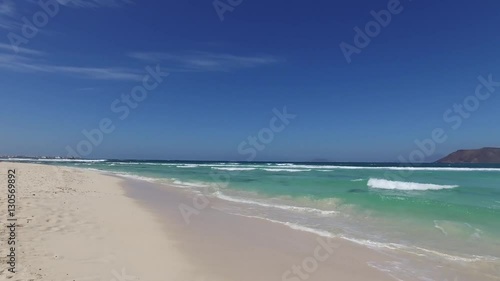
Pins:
<point x="482" y="155"/>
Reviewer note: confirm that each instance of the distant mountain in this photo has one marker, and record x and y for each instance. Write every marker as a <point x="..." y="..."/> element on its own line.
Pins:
<point x="483" y="155"/>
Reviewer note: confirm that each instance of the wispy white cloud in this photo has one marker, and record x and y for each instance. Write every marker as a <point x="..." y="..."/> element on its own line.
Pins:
<point x="97" y="73"/>
<point x="31" y="62"/>
<point x="7" y="8"/>
<point x="7" y="14"/>
<point x="20" y="50"/>
<point x="205" y="61"/>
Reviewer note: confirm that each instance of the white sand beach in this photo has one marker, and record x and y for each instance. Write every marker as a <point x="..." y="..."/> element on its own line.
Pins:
<point x="79" y="225"/>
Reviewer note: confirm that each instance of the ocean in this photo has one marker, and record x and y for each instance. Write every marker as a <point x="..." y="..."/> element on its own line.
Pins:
<point x="433" y="212"/>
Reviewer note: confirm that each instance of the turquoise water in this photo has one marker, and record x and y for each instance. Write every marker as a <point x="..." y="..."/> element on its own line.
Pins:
<point x="442" y="213"/>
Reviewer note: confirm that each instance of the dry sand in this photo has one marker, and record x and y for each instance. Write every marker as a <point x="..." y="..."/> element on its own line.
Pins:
<point x="79" y="225"/>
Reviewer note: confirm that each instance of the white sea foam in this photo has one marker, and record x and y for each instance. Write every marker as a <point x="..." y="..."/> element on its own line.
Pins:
<point x="276" y="206"/>
<point x="132" y="176"/>
<point x="173" y="181"/>
<point x="451" y="169"/>
<point x="338" y="167"/>
<point x="284" y="166"/>
<point x="373" y="244"/>
<point x="137" y="163"/>
<point x="438" y="226"/>
<point x="287" y="170"/>
<point x="188" y="166"/>
<point x="189" y="184"/>
<point x="358" y="180"/>
<point x="233" y="169"/>
<point x="290" y="166"/>
<point x="55" y="160"/>
<point x="295" y="226"/>
<point x="401" y="185"/>
<point x="96" y="170"/>
<point x="419" y="251"/>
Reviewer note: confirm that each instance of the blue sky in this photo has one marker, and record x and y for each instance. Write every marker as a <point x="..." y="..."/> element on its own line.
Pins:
<point x="226" y="77"/>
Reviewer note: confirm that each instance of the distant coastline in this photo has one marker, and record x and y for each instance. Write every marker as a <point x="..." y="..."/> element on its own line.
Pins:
<point x="485" y="155"/>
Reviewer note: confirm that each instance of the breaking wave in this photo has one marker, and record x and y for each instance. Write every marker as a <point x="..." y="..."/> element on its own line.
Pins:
<point x="401" y="185"/>
<point x="276" y="206"/>
<point x="233" y="169"/>
<point x="287" y="170"/>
